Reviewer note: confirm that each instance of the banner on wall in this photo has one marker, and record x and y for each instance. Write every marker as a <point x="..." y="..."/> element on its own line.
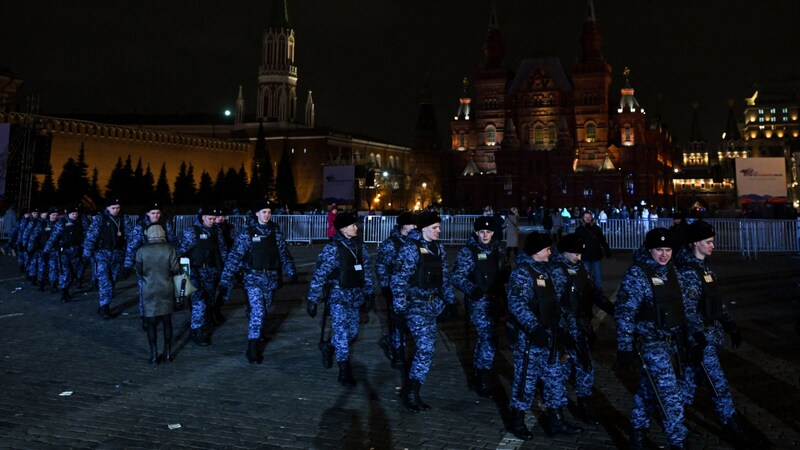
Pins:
<point x="761" y="180"/>
<point x="338" y="184"/>
<point x="5" y="138"/>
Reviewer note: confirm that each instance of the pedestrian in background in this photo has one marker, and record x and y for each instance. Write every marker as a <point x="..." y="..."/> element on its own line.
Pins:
<point x="331" y="218"/>
<point x="596" y="247"/>
<point x="156" y="262"/>
<point x="511" y="225"/>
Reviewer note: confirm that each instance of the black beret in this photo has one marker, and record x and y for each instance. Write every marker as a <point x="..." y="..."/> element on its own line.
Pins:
<point x="53" y="209"/>
<point x="483" y="223"/>
<point x="405" y="218"/>
<point x="570" y="243"/>
<point x="111" y="201"/>
<point x="700" y="230"/>
<point x="260" y="204"/>
<point x="536" y="242"/>
<point x="209" y="210"/>
<point x="427" y="218"/>
<point x="658" y="238"/>
<point x="73" y="208"/>
<point x="152" y="206"/>
<point x="344" y="219"/>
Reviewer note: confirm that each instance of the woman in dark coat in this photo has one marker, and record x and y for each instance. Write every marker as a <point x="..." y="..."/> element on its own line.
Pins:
<point x="156" y="264"/>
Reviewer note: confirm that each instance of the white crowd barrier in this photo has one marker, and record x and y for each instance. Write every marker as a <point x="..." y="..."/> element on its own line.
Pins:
<point x="746" y="236"/>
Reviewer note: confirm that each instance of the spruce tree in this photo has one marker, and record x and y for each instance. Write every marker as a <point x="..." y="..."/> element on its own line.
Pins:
<point x="83" y="170"/>
<point x="48" y="192"/>
<point x="94" y="190"/>
<point x="162" y="193"/>
<point x="148" y="184"/>
<point x="220" y="189"/>
<point x="69" y="183"/>
<point x="128" y="194"/>
<point x="116" y="181"/>
<point x="205" y="192"/>
<point x="138" y="179"/>
<point x="182" y="195"/>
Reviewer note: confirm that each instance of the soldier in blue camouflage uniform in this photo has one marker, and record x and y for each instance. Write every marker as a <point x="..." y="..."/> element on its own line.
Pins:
<point x="583" y="294"/>
<point x="345" y="266"/>
<point x="477" y="273"/>
<point x="66" y="241"/>
<point x="202" y="243"/>
<point x="544" y="337"/>
<point x="228" y="231"/>
<point x="15" y="236"/>
<point x="260" y="251"/>
<point x="31" y="261"/>
<point x="153" y="216"/>
<point x="393" y="344"/>
<point x="44" y="260"/>
<point x="421" y="287"/>
<point x="651" y="321"/>
<point x="708" y="318"/>
<point x="105" y="241"/>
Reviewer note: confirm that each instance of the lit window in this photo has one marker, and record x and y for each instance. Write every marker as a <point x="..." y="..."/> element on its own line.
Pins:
<point x="491" y="135"/>
<point x="760" y="119"/>
<point x="551" y="133"/>
<point x="761" y="111"/>
<point x="772" y="111"/>
<point x="785" y="110"/>
<point x="591" y="132"/>
<point x="538" y="134"/>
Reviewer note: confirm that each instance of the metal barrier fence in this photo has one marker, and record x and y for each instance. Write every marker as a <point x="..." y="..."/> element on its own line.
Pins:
<point x="746" y="236"/>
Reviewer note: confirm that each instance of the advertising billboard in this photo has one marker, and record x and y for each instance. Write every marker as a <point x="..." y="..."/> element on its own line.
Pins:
<point x="338" y="184"/>
<point x="761" y="180"/>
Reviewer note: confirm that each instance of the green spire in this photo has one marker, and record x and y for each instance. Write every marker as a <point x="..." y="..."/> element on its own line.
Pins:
<point x="279" y="17"/>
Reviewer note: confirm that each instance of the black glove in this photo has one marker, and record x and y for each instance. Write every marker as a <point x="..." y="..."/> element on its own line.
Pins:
<point x="293" y="279"/>
<point x="386" y="292"/>
<point x="369" y="302"/>
<point x="476" y="293"/>
<point x="567" y="341"/>
<point x="311" y="309"/>
<point x="736" y="339"/>
<point x="625" y="359"/>
<point x="696" y="350"/>
<point x="398" y="316"/>
<point x="539" y="337"/>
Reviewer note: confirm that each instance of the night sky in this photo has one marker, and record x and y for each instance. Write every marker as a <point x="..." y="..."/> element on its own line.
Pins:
<point x="367" y="60"/>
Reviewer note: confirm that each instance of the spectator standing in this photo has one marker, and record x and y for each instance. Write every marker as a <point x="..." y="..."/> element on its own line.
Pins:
<point x="596" y="247"/>
<point x="511" y="225"/>
<point x="156" y="262"/>
<point x="331" y="218"/>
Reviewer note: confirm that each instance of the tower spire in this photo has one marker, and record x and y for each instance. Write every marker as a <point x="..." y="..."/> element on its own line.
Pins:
<point x="493" y="47"/>
<point x="239" y="116"/>
<point x="277" y="76"/>
<point x="591" y="40"/>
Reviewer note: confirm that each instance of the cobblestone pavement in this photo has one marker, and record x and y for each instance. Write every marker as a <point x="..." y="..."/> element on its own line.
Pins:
<point x="210" y="397"/>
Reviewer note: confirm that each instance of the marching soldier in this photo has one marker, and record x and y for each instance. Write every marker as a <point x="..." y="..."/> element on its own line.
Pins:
<point x="708" y="317"/>
<point x="650" y="323"/>
<point x="393" y="343"/>
<point x="345" y="266"/>
<point x="544" y="339"/>
<point x="66" y="241"/>
<point x="105" y="241"/>
<point x="31" y="264"/>
<point x="583" y="294"/>
<point x="477" y="273"/>
<point x="204" y="246"/>
<point x="261" y="252"/>
<point x="15" y="237"/>
<point x="421" y="287"/>
<point x="36" y="246"/>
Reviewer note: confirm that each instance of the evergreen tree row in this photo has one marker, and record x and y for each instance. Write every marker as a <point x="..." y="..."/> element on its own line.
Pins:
<point x="136" y="186"/>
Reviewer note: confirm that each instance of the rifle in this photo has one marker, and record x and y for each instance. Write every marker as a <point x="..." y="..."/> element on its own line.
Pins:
<point x="526" y="358"/>
<point x="653" y="385"/>
<point x="708" y="379"/>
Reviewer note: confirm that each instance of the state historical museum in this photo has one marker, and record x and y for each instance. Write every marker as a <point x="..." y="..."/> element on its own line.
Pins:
<point x="537" y="136"/>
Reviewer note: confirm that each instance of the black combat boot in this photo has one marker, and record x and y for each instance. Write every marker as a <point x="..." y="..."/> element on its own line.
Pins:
<point x="385" y="344"/>
<point x="421" y="403"/>
<point x="346" y="374"/>
<point x="104" y="311"/>
<point x="199" y="337"/>
<point x="65" y="295"/>
<point x="518" y="427"/>
<point x="42" y="284"/>
<point x="639" y="439"/>
<point x="554" y="423"/>
<point x="480" y="382"/>
<point x="585" y="412"/>
<point x="410" y="396"/>
<point x="216" y="312"/>
<point x="252" y="351"/>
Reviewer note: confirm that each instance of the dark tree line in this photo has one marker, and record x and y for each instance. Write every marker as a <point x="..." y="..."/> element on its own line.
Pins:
<point x="137" y="185"/>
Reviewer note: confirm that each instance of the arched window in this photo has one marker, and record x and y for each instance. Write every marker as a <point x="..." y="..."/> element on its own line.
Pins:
<point x="491" y="135"/>
<point x="551" y="134"/>
<point x="591" y="132"/>
<point x="538" y="135"/>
